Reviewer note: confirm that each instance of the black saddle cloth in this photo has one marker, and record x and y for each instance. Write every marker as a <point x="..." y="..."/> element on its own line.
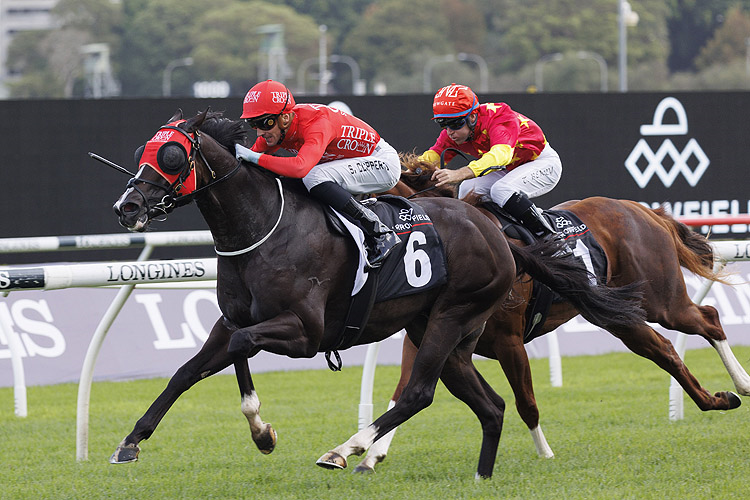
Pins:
<point x="580" y="240"/>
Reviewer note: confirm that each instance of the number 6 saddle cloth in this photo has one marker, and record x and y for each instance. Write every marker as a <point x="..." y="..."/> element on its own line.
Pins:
<point x="415" y="265"/>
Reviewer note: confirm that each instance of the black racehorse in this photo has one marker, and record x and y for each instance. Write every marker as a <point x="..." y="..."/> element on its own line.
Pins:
<point x="285" y="280"/>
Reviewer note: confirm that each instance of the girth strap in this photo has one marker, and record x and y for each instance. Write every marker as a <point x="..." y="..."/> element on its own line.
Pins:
<point x="356" y="319"/>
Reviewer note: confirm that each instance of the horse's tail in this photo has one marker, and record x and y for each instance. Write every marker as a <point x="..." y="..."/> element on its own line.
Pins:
<point x="606" y="307"/>
<point x="694" y="251"/>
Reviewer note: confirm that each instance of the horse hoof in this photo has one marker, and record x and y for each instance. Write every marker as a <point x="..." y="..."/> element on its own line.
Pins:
<point x="363" y="469"/>
<point x="266" y="442"/>
<point x="332" y="460"/>
<point x="734" y="400"/>
<point x="125" y="454"/>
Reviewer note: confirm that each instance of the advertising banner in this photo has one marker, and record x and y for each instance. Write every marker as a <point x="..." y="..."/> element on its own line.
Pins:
<point x="158" y="330"/>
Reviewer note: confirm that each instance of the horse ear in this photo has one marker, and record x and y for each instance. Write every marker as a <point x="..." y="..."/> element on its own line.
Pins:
<point x="137" y="155"/>
<point x="195" y="122"/>
<point x="176" y="116"/>
<point x="171" y="158"/>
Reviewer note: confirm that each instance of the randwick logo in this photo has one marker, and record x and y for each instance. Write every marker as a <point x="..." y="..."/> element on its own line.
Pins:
<point x="680" y="160"/>
<point x="252" y="96"/>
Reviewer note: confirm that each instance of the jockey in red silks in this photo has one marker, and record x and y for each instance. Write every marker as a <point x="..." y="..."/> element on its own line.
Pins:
<point x="336" y="155"/>
<point x="515" y="161"/>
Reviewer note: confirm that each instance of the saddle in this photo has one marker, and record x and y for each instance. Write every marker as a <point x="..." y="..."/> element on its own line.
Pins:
<point x="579" y="239"/>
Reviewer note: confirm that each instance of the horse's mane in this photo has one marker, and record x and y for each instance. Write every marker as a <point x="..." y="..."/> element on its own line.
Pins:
<point x="417" y="174"/>
<point x="223" y="130"/>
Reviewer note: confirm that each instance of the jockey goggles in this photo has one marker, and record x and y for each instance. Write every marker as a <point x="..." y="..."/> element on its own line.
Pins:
<point x="264" y="122"/>
<point x="452" y="123"/>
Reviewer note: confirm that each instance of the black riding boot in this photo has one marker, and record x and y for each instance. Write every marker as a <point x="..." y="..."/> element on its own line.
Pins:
<point x="379" y="239"/>
<point x="520" y="207"/>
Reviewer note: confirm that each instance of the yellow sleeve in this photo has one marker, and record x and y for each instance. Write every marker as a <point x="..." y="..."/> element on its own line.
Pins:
<point x="429" y="156"/>
<point x="498" y="156"/>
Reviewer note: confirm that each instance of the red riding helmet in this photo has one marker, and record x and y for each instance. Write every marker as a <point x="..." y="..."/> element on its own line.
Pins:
<point x="454" y="101"/>
<point x="267" y="98"/>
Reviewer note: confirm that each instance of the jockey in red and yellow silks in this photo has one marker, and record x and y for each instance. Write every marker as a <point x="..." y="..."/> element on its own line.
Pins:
<point x="514" y="161"/>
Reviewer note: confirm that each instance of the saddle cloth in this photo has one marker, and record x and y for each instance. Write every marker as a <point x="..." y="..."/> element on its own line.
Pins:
<point x="580" y="240"/>
<point x="416" y="265"/>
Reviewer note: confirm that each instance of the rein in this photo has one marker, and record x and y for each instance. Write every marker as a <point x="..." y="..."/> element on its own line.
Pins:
<point x="442" y="165"/>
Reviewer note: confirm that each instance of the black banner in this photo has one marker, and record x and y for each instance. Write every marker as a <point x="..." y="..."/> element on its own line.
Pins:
<point x="684" y="149"/>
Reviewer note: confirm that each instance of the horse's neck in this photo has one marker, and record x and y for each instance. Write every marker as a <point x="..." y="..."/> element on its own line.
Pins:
<point x="242" y="210"/>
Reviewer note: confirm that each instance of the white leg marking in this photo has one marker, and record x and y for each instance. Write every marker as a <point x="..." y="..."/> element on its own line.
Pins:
<point x="358" y="443"/>
<point x="542" y="448"/>
<point x="379" y="449"/>
<point x="739" y="376"/>
<point x="251" y="409"/>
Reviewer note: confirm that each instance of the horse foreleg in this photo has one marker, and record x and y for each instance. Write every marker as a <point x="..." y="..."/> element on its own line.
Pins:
<point x="378" y="451"/>
<point x="262" y="433"/>
<point x="285" y="334"/>
<point x="212" y="358"/>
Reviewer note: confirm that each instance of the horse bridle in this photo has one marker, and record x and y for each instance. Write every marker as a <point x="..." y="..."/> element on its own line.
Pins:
<point x="172" y="199"/>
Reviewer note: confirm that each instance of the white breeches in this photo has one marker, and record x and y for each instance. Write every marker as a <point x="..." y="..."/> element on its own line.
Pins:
<point x="533" y="179"/>
<point x="362" y="175"/>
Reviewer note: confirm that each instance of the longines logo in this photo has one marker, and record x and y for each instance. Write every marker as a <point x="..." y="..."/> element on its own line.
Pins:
<point x="679" y="160"/>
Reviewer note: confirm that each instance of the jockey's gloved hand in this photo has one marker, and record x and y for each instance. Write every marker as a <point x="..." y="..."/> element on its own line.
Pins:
<point x="243" y="153"/>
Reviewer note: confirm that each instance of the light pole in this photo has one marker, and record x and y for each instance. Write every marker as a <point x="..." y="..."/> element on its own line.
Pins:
<point x="539" y="68"/>
<point x="462" y="57"/>
<point x="166" y="81"/>
<point x="427" y="72"/>
<point x="322" y="60"/>
<point x="357" y="84"/>
<point x="625" y="18"/>
<point x="482" y="64"/>
<point x="603" y="70"/>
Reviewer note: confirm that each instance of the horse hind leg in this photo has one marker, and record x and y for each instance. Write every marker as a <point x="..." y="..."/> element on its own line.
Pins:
<point x="704" y="321"/>
<point x="739" y="376"/>
<point x="648" y="343"/>
<point x="379" y="449"/>
<point x="462" y="379"/>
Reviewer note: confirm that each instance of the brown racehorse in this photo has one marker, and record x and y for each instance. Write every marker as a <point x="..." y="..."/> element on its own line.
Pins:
<point x="641" y="245"/>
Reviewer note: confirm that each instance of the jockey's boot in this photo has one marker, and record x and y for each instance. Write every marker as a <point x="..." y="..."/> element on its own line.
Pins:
<point x="379" y="239"/>
<point x="520" y="207"/>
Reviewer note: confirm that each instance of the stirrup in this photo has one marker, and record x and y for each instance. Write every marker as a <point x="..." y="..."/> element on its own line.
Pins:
<point x="380" y="247"/>
<point x="564" y="250"/>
